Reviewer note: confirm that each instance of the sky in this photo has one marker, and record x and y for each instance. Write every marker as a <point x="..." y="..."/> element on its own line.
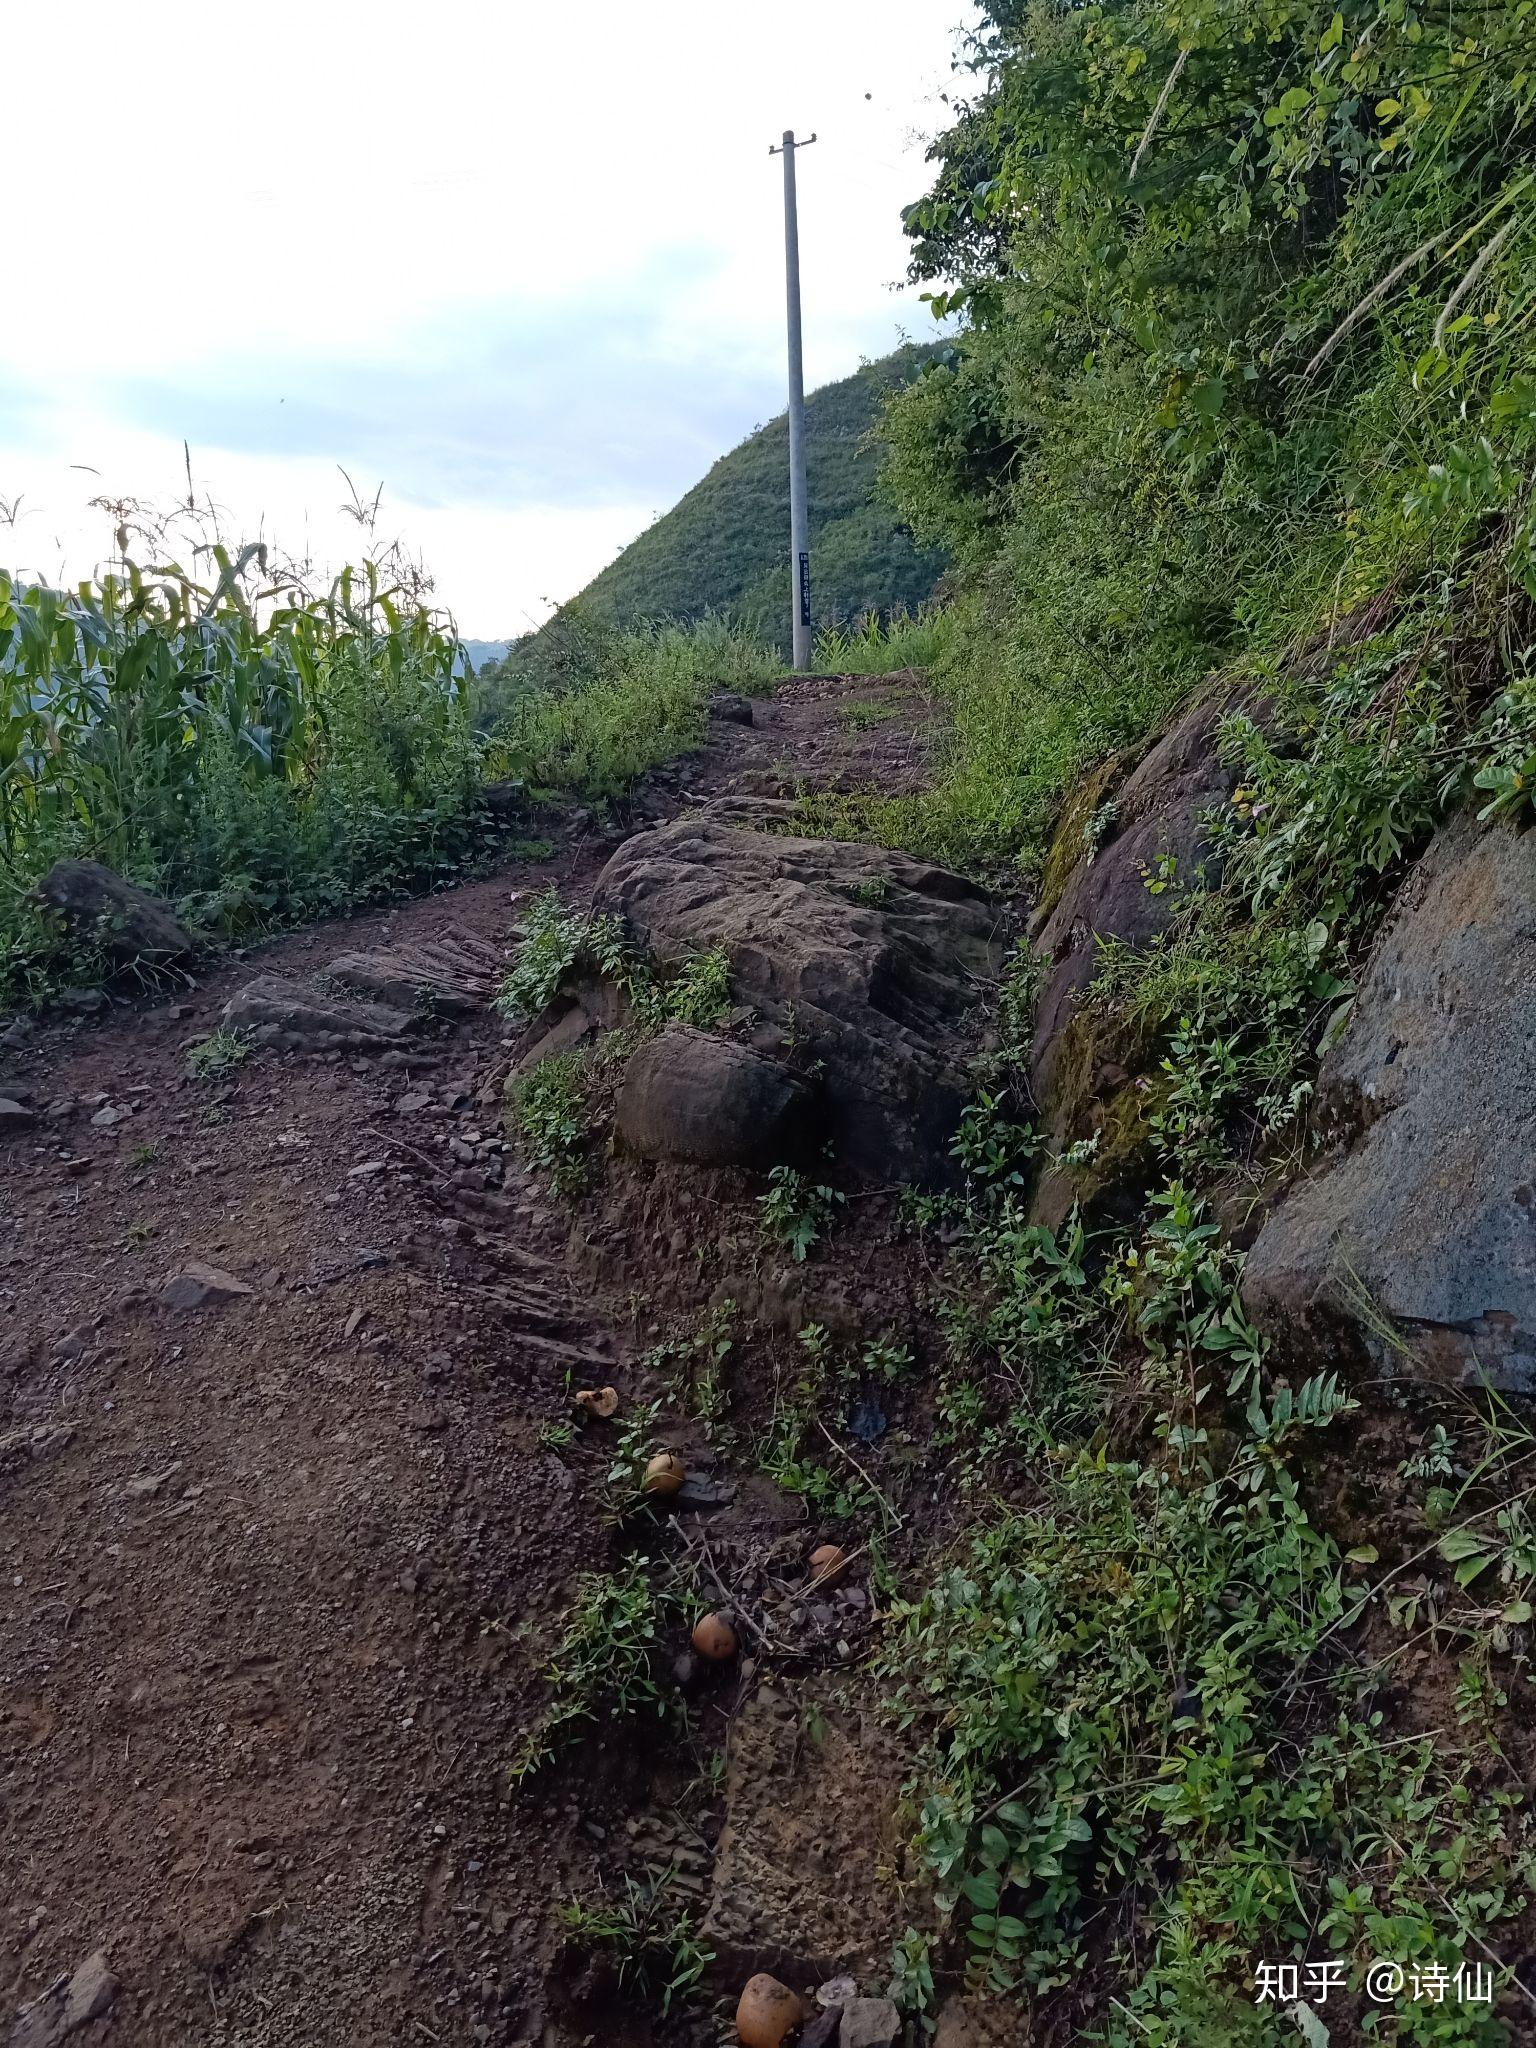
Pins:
<point x="522" y="265"/>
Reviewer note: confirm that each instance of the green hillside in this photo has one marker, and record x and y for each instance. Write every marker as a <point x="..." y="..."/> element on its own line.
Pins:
<point x="724" y="547"/>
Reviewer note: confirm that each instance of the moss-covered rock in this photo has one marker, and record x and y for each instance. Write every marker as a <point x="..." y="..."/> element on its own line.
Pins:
<point x="1082" y="1076"/>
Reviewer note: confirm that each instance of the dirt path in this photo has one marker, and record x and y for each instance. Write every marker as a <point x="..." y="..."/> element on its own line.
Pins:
<point x="278" y="1578"/>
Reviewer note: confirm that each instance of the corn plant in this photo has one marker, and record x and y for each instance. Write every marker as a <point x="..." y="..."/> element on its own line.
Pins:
<point x="227" y="734"/>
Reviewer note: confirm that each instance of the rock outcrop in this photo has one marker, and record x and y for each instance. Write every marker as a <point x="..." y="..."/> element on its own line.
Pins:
<point x="695" y="1097"/>
<point x="449" y="975"/>
<point x="280" y="1013"/>
<point x="1419" y="1230"/>
<point x="1096" y="889"/>
<point x="99" y="907"/>
<point x="861" y="962"/>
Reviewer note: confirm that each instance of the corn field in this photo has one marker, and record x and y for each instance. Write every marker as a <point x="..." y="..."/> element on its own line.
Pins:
<point x="253" y="749"/>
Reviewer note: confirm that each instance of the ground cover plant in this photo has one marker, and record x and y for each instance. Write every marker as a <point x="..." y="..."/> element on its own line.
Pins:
<point x="1159" y="1724"/>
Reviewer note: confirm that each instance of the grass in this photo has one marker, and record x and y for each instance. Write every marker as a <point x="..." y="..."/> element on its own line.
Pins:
<point x="218" y="1054"/>
<point x="863" y="716"/>
<point x="604" y="1667"/>
<point x="651" y="1937"/>
<point x="619" y="704"/>
<point x="881" y="645"/>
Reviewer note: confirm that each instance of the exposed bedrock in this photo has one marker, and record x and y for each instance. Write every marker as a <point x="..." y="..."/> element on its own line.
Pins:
<point x="860" y="964"/>
<point x="1414" y="1239"/>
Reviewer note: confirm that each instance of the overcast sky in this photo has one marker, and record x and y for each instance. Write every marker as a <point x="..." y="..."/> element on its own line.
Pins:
<point x="522" y="263"/>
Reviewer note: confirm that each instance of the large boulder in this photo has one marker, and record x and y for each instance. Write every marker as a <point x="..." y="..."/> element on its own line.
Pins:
<point x="98" y="906"/>
<point x="730" y="709"/>
<point x="1109" y="843"/>
<point x="692" y="1096"/>
<point x="864" y="961"/>
<point x="1419" y="1229"/>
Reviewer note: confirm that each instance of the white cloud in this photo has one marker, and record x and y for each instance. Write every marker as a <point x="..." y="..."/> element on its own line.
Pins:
<point x="257" y="207"/>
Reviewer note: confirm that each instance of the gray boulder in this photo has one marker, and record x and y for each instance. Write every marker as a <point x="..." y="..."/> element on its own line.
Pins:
<point x="865" y="960"/>
<point x="730" y="709"/>
<point x="690" y="1096"/>
<point x="195" y="1285"/>
<point x="280" y="1013"/>
<point x="1418" y="1230"/>
<point x="96" y="905"/>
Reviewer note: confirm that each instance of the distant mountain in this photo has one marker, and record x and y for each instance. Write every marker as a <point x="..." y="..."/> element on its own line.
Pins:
<point x="480" y="652"/>
<point x="725" y="546"/>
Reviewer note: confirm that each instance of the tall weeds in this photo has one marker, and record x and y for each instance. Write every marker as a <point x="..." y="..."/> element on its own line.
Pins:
<point x="871" y="646"/>
<point x="596" y="708"/>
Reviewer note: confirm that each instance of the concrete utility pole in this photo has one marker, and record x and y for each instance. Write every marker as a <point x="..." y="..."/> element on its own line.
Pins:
<point x="799" y="532"/>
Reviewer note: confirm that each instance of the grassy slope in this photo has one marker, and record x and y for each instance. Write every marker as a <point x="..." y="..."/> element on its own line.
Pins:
<point x="723" y="546"/>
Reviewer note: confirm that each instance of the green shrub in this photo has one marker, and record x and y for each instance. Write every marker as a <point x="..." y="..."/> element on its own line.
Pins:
<point x="1246" y="346"/>
<point x="558" y="941"/>
<point x="796" y="1212"/>
<point x="549" y="1107"/>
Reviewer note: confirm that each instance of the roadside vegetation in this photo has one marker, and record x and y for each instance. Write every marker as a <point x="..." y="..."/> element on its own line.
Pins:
<point x="1235" y="360"/>
<point x="1245" y="388"/>
<point x="214" y="729"/>
<point x="261" y="753"/>
<point x="878" y="644"/>
<point x="591" y="708"/>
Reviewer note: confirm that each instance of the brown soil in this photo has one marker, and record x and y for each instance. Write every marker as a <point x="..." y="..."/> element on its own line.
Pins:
<point x="279" y="1579"/>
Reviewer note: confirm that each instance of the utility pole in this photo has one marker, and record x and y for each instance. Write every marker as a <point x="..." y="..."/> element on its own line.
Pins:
<point x="799" y="532"/>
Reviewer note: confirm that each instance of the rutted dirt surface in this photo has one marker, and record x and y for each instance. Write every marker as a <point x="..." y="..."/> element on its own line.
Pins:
<point x="279" y="1577"/>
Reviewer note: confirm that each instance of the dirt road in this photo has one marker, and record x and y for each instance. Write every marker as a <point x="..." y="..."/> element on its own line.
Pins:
<point x="279" y="1576"/>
